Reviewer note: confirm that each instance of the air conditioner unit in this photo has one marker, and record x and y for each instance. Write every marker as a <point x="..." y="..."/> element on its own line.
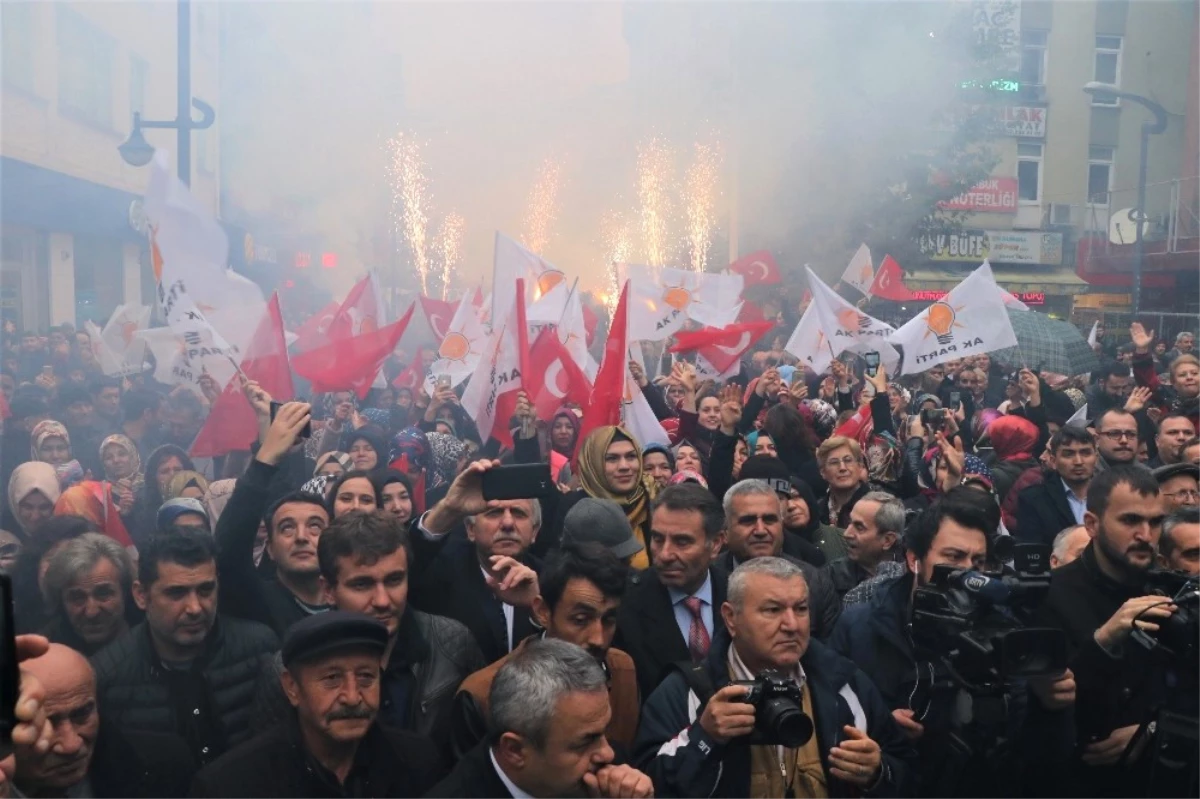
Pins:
<point x="1061" y="214"/>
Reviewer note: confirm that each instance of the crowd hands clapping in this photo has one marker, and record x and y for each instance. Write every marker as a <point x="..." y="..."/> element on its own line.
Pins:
<point x="772" y="600"/>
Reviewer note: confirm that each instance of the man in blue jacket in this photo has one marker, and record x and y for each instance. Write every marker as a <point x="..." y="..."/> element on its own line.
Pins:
<point x="693" y="747"/>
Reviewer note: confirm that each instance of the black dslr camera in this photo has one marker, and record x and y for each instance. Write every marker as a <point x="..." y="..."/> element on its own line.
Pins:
<point x="1178" y="637"/>
<point x="778" y="719"/>
<point x="974" y="622"/>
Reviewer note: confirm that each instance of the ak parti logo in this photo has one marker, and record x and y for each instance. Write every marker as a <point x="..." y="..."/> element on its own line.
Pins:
<point x="941" y="319"/>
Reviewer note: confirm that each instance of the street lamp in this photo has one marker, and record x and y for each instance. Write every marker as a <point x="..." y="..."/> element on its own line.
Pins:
<point x="1149" y="128"/>
<point x="135" y="150"/>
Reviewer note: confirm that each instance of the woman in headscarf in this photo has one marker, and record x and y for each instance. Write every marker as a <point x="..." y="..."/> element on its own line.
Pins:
<point x="334" y="463"/>
<point x="1013" y="442"/>
<point x="624" y="482"/>
<point x="93" y="500"/>
<point x="449" y="456"/>
<point x="564" y="432"/>
<point x="395" y="494"/>
<point x="354" y="490"/>
<point x="50" y="443"/>
<point x="123" y="469"/>
<point x="688" y="458"/>
<point x="658" y="462"/>
<point x="186" y="485"/>
<point x="32" y="491"/>
<point x="801" y="518"/>
<point x="365" y="447"/>
<point x="163" y="464"/>
<point x="411" y="454"/>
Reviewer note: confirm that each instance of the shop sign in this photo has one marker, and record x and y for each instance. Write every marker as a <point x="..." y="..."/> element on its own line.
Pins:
<point x="1021" y="120"/>
<point x="997" y="28"/>
<point x="997" y="195"/>
<point x="997" y="246"/>
<point x="1027" y="297"/>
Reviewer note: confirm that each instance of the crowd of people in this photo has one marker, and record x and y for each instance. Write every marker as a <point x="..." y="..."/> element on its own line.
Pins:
<point x="337" y="610"/>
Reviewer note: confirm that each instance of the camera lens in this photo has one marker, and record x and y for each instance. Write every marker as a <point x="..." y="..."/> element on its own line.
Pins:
<point x="785" y="723"/>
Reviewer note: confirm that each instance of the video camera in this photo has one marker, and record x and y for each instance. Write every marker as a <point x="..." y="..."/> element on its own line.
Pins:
<point x="975" y="623"/>
<point x="778" y="717"/>
<point x="1177" y="637"/>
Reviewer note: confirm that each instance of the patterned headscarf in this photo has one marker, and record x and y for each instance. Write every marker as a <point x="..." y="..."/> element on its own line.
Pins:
<point x="413" y="442"/>
<point x="183" y="481"/>
<point x="687" y="476"/>
<point x="341" y="458"/>
<point x="126" y="444"/>
<point x="447" y="451"/>
<point x="636" y="503"/>
<point x="824" y="417"/>
<point x="319" y="485"/>
<point x="45" y="429"/>
<point x="217" y="497"/>
<point x="377" y="416"/>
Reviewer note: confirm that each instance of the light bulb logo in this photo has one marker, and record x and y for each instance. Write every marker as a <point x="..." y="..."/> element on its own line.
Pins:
<point x="548" y="280"/>
<point x="940" y="321"/>
<point x="851" y="320"/>
<point x="677" y="297"/>
<point x="455" y="347"/>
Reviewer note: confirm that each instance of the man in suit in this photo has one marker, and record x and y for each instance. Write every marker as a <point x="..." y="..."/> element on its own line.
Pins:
<point x="671" y="614"/>
<point x="1060" y="500"/>
<point x="489" y="582"/>
<point x="549" y="710"/>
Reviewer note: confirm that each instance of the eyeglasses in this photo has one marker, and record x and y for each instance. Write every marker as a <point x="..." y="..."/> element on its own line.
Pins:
<point x="833" y="463"/>
<point x="1117" y="435"/>
<point x="1183" y="493"/>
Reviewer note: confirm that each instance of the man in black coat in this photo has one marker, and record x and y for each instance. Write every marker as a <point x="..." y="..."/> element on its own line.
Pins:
<point x="184" y="671"/>
<point x="671" y="611"/>
<point x="548" y="711"/>
<point x="1059" y="501"/>
<point x="331" y="745"/>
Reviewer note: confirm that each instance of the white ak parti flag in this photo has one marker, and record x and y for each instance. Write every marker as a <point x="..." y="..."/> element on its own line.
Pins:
<point x="848" y="328"/>
<point x="970" y="320"/>
<point x="809" y="343"/>
<point x="860" y="272"/>
<point x="118" y="348"/>
<point x="459" y="351"/>
<point x="636" y="413"/>
<point x="543" y="281"/>
<point x="661" y="300"/>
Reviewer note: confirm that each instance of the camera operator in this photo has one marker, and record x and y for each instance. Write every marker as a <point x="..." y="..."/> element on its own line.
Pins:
<point x="1104" y="603"/>
<point x="961" y="751"/>
<point x="703" y="735"/>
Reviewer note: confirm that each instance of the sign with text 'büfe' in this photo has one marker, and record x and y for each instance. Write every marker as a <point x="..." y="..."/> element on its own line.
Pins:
<point x="997" y="246"/>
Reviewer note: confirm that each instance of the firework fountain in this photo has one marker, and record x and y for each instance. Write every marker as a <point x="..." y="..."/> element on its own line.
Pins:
<point x="543" y="206"/>
<point x="654" y="185"/>
<point x="449" y="248"/>
<point x="410" y="199"/>
<point x="700" y="200"/>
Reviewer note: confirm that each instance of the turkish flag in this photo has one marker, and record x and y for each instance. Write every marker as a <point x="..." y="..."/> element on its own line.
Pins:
<point x="358" y="313"/>
<point x="590" y="321"/>
<point x="438" y="313"/>
<point x="608" y="392"/>
<point x="231" y="424"/>
<point x="554" y="379"/>
<point x="750" y="313"/>
<point x="889" y="282"/>
<point x="722" y="347"/>
<point x="350" y="364"/>
<point x="312" y="332"/>
<point x="757" y="268"/>
<point x="500" y="375"/>
<point x="412" y="377"/>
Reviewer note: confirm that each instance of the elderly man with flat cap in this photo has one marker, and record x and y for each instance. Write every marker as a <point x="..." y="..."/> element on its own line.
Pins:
<point x="332" y="745"/>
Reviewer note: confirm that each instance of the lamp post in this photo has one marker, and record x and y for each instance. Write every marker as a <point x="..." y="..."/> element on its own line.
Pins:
<point x="136" y="151"/>
<point x="1149" y="128"/>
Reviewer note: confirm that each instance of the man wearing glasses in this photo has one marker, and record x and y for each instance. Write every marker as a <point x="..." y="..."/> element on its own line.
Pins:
<point x="1116" y="438"/>
<point x="1177" y="485"/>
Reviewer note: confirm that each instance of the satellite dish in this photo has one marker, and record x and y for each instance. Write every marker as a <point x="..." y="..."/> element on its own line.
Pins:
<point x="1122" y="226"/>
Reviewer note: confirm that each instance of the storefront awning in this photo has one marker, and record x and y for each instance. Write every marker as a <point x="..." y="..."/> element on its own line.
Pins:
<point x="1057" y="281"/>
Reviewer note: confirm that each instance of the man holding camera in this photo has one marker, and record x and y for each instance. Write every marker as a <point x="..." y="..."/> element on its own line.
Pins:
<point x="770" y="712"/>
<point x="1112" y="608"/>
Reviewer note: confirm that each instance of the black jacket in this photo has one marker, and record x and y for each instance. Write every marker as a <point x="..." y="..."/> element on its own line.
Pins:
<point x="208" y="706"/>
<point x="682" y="760"/>
<point x="432" y="656"/>
<point x="1043" y="512"/>
<point x="454" y="587"/>
<point x="824" y="604"/>
<point x="132" y="764"/>
<point x="843" y="518"/>
<point x="646" y="626"/>
<point x="844" y="574"/>
<point x="473" y="776"/>
<point x="387" y="763"/>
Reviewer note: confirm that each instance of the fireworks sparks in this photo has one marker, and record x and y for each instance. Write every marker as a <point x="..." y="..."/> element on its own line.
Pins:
<point x="449" y="247"/>
<point x="654" y="179"/>
<point x="543" y="206"/>
<point x="700" y="185"/>
<point x="614" y="228"/>
<point x="410" y="200"/>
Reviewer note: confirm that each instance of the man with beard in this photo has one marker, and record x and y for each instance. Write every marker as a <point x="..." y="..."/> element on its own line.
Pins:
<point x="956" y="754"/>
<point x="581" y="589"/>
<point x="548" y="712"/>
<point x="88" y="757"/>
<point x="184" y="671"/>
<point x="1114" y="382"/>
<point x="1116" y="438"/>
<point x="1099" y="601"/>
<point x="332" y="744"/>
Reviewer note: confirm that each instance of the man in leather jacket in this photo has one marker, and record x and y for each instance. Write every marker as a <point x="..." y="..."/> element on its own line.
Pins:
<point x="364" y="559"/>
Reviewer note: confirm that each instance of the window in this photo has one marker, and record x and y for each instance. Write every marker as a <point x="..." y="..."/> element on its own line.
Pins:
<point x="138" y="72"/>
<point x="1033" y="58"/>
<point x="1029" y="172"/>
<point x="1108" y="66"/>
<point x="85" y="66"/>
<point x="1100" y="170"/>
<point x="16" y="19"/>
<point x="204" y="149"/>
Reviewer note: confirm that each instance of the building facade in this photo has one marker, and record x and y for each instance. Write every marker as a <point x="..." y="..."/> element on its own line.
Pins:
<point x="74" y="73"/>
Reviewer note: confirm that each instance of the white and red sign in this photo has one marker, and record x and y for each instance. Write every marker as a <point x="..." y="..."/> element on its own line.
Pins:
<point x="995" y="195"/>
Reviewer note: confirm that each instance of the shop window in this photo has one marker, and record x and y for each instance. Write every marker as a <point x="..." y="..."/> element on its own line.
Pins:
<point x="85" y="68"/>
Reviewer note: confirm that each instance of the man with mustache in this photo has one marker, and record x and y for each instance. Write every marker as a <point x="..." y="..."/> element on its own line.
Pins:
<point x="1099" y="601"/>
<point x="872" y="539"/>
<point x="184" y="671"/>
<point x="86" y="754"/>
<point x="1116" y="438"/>
<point x="692" y="741"/>
<point x="331" y="745"/>
<point x="754" y="529"/>
<point x="581" y="589"/>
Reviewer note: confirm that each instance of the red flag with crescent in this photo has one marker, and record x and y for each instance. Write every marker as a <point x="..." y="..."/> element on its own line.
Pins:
<point x="312" y="332"/>
<point x="757" y="268"/>
<point x="722" y="347"/>
<point x="608" y="390"/>
<point x="412" y="377"/>
<point x="555" y="379"/>
<point x="889" y="282"/>
<point x="438" y="313"/>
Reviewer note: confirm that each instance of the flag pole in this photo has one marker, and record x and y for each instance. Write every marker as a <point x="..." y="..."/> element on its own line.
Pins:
<point x="567" y="301"/>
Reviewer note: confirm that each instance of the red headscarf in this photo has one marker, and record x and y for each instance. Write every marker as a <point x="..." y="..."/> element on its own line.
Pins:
<point x="1013" y="438"/>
